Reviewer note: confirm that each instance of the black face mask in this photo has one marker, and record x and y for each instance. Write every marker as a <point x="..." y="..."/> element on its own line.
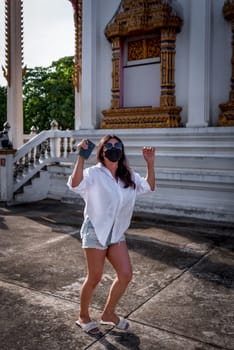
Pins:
<point x="113" y="154"/>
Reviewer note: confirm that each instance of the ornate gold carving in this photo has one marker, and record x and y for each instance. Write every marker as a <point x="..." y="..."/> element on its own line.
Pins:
<point x="22" y="36"/>
<point x="155" y="117"/>
<point x="6" y="69"/>
<point x="226" y="118"/>
<point x="143" y="48"/>
<point x="115" y="102"/>
<point x="8" y="53"/>
<point x="168" y="37"/>
<point x="77" y="6"/>
<point x="143" y="18"/>
<point x="153" y="46"/>
<point x="136" y="50"/>
<point x="228" y="10"/>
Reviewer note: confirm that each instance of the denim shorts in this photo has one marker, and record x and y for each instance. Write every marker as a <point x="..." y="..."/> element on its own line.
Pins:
<point x="89" y="237"/>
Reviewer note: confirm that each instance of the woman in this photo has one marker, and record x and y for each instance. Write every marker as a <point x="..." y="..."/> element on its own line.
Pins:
<point x="109" y="190"/>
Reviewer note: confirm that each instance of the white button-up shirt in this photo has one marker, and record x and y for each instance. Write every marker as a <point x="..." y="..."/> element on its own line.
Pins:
<point x="107" y="203"/>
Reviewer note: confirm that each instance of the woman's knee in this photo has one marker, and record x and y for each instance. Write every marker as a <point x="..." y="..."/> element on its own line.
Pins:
<point x="125" y="275"/>
<point x="94" y="278"/>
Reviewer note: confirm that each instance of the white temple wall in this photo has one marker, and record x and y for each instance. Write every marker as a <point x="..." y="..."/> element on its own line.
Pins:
<point x="104" y="12"/>
<point x="89" y="52"/>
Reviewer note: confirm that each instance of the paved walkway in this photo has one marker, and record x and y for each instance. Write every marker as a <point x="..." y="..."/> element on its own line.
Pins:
<point x="181" y="296"/>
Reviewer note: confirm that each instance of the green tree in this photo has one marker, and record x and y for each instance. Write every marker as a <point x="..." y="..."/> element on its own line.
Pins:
<point x="48" y="93"/>
<point x="3" y="105"/>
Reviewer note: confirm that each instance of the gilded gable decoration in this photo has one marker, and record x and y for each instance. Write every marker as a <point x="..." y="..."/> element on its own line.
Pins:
<point x="143" y="16"/>
<point x="150" y="29"/>
<point x="226" y="118"/>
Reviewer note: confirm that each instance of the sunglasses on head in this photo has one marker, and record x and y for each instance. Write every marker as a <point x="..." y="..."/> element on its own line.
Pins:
<point x="117" y="145"/>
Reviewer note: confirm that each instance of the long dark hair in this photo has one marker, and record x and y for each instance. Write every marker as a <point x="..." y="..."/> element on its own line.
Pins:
<point x="123" y="170"/>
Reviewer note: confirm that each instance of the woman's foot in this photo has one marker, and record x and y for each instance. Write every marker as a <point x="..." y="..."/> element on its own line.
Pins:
<point x="110" y="318"/>
<point x="89" y="326"/>
<point x="116" y="321"/>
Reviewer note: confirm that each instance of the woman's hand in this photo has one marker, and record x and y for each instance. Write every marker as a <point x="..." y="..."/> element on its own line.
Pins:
<point x="82" y="144"/>
<point x="148" y="154"/>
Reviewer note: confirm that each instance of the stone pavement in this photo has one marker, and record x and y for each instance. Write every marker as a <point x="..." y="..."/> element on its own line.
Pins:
<point x="181" y="296"/>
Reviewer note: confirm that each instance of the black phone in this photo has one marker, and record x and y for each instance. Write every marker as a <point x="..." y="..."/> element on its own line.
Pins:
<point x="85" y="153"/>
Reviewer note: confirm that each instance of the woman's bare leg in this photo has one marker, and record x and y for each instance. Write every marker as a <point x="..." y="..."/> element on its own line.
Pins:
<point x="118" y="256"/>
<point x="95" y="259"/>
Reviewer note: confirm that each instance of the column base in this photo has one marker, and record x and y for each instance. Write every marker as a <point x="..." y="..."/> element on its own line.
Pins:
<point x="201" y="125"/>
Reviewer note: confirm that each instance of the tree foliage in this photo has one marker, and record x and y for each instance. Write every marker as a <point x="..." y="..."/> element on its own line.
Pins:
<point x="48" y="93"/>
<point x="3" y="106"/>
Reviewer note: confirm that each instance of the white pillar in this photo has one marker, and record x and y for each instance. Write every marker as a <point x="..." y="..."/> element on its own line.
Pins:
<point x="14" y="93"/>
<point x="199" y="64"/>
<point x="88" y="81"/>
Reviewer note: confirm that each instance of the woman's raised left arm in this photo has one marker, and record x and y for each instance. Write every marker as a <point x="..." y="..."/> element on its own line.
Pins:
<point x="149" y="156"/>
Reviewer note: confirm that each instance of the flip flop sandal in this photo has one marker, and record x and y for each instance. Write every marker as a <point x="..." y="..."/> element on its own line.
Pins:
<point x="90" y="327"/>
<point x="123" y="324"/>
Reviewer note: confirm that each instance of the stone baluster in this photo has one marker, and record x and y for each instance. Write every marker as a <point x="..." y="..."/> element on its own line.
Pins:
<point x="54" y="142"/>
<point x="38" y="154"/>
<point x="62" y="149"/>
<point x="31" y="159"/>
<point x="68" y="146"/>
<point x="48" y="147"/>
<point x="74" y="145"/>
<point x="43" y="149"/>
<point x="26" y="163"/>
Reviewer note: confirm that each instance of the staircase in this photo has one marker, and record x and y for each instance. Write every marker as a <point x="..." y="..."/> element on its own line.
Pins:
<point x="37" y="188"/>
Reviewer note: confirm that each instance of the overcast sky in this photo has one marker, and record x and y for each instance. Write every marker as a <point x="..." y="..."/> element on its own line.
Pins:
<point x="48" y="32"/>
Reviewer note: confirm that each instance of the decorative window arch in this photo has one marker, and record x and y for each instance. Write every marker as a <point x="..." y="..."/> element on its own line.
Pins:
<point x="155" y="25"/>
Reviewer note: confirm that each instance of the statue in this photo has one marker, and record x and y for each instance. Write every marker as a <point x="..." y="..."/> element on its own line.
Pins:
<point x="5" y="143"/>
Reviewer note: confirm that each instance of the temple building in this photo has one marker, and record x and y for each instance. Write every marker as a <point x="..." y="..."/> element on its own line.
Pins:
<point x="153" y="72"/>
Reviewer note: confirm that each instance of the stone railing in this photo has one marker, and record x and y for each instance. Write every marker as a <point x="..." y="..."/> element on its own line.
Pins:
<point x="17" y="167"/>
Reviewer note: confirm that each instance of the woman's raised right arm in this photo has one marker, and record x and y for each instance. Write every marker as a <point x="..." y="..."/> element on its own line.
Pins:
<point x="77" y="174"/>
